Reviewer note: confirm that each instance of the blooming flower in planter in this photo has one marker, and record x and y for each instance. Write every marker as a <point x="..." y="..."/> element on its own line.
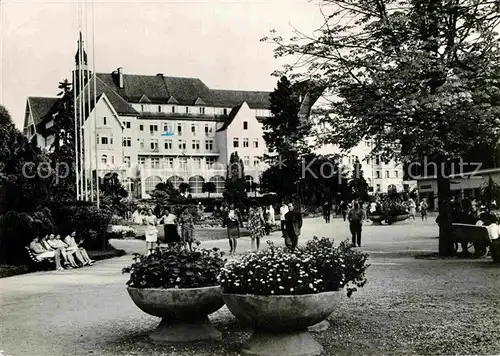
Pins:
<point x="318" y="267"/>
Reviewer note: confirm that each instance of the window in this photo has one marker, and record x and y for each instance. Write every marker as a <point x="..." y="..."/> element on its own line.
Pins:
<point x="170" y="162"/>
<point x="141" y="127"/>
<point x="182" y="144"/>
<point x="236" y="142"/>
<point x="153" y="144"/>
<point x="193" y="129"/>
<point x="179" y="129"/>
<point x="173" y="108"/>
<point x="249" y="183"/>
<point x="104" y="140"/>
<point x="202" y="110"/>
<point x="209" y="162"/>
<point x="104" y="159"/>
<point x="142" y="161"/>
<point x="141" y="142"/>
<point x="246" y="161"/>
<point x="255" y="143"/>
<point x="111" y="140"/>
<point x="245" y="125"/>
<point x="126" y="124"/>
<point x="256" y="162"/>
<point x="378" y="187"/>
<point x="245" y="142"/>
<point x="159" y="108"/>
<point x="209" y="145"/>
<point x="224" y="111"/>
<point x="387" y="174"/>
<point x="168" y="144"/>
<point x="153" y="128"/>
<point x="187" y="109"/>
<point x="112" y="159"/>
<point x="168" y="128"/>
<point x="142" y="107"/>
<point x="219" y="183"/>
<point x="155" y="162"/>
<point x="396" y="174"/>
<point x="196" y="184"/>
<point x="104" y="121"/>
<point x="126" y="161"/>
<point x="183" y="162"/>
<point x="196" y="145"/>
<point x="197" y="163"/>
<point x="377" y="160"/>
<point x="127" y="142"/>
<point x="377" y="174"/>
<point x="207" y="129"/>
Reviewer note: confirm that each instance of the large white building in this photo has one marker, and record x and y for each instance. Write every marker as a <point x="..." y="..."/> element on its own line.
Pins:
<point x="156" y="128"/>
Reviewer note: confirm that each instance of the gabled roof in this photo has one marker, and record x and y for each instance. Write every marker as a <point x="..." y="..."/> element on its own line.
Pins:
<point x="41" y="108"/>
<point x="122" y="107"/>
<point x="144" y="99"/>
<point x="186" y="91"/>
<point x="172" y="100"/>
<point x="231" y="117"/>
<point x="199" y="101"/>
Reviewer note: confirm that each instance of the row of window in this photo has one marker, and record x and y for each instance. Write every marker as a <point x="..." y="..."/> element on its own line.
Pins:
<point x="181" y="162"/>
<point x="196" y="183"/>
<point x="246" y="142"/>
<point x="168" y="127"/>
<point x="168" y="144"/>
<point x="378" y="174"/>
<point x="178" y="109"/>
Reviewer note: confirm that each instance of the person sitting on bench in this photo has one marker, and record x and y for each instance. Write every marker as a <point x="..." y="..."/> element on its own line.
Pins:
<point x="49" y="244"/>
<point x="42" y="253"/>
<point x="72" y="245"/>
<point x="57" y="242"/>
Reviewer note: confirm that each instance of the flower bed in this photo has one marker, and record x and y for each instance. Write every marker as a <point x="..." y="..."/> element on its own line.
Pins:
<point x="318" y="267"/>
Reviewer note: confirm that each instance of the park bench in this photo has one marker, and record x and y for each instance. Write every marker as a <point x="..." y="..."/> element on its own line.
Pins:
<point x="46" y="263"/>
<point x="470" y="236"/>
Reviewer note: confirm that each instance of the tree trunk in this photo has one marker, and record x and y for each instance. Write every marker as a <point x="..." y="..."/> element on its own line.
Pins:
<point x="445" y="239"/>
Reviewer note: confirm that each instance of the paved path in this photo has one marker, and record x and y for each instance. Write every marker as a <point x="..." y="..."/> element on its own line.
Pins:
<point x="79" y="312"/>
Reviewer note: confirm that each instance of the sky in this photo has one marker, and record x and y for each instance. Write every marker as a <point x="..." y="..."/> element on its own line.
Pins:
<point x="216" y="41"/>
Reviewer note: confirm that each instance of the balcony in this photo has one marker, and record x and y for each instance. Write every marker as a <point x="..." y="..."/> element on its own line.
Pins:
<point x="160" y="151"/>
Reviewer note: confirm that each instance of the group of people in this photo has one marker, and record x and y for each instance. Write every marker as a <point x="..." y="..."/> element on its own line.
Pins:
<point x="67" y="251"/>
<point x="171" y="225"/>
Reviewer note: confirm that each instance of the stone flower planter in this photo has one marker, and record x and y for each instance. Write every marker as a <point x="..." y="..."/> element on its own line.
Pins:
<point x="281" y="322"/>
<point x="184" y="312"/>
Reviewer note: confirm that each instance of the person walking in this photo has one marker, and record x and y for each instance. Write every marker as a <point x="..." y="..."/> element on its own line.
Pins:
<point x="170" y="223"/>
<point x="232" y="220"/>
<point x="423" y="209"/>
<point x="187" y="229"/>
<point x="356" y="216"/>
<point x="269" y="218"/>
<point x="283" y="210"/>
<point x="327" y="210"/>
<point x="343" y="209"/>
<point x="412" y="207"/>
<point x="151" y="231"/>
<point x="293" y="221"/>
<point x="255" y="226"/>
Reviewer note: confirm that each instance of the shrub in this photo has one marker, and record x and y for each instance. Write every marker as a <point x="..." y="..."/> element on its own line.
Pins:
<point x="317" y="267"/>
<point x="175" y="267"/>
<point x="89" y="222"/>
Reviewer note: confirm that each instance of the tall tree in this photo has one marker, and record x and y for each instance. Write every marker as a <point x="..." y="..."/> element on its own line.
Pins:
<point x="63" y="148"/>
<point x="235" y="185"/>
<point x="208" y="187"/>
<point x="419" y="77"/>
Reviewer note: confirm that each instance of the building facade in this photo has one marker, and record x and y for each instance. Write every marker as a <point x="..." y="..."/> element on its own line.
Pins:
<point x="156" y="128"/>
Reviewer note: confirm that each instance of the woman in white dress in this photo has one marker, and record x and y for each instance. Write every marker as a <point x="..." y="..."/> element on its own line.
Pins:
<point x="151" y="231"/>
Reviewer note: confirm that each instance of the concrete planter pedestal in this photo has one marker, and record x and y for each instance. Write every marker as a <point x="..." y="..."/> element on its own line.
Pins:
<point x="281" y="322"/>
<point x="184" y="312"/>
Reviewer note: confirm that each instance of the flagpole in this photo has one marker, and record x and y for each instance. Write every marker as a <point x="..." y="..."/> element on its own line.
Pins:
<point x="77" y="173"/>
<point x="87" y="170"/>
<point x="95" y="104"/>
<point x="81" y="94"/>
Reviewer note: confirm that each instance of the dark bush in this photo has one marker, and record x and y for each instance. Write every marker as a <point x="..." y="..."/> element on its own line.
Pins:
<point x="17" y="230"/>
<point x="175" y="267"/>
<point x="89" y="223"/>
